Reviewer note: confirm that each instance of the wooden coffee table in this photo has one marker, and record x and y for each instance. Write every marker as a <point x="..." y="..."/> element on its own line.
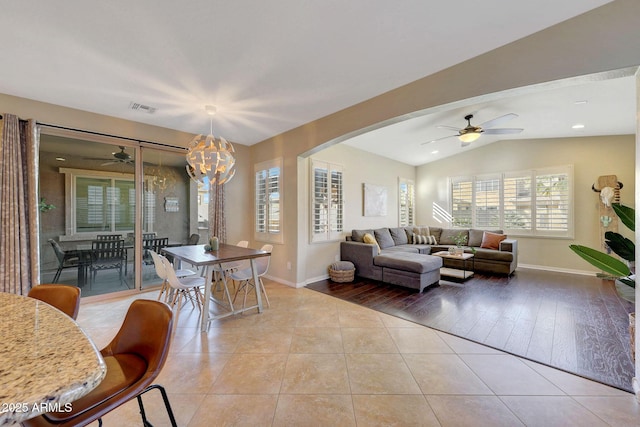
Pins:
<point x="463" y="273"/>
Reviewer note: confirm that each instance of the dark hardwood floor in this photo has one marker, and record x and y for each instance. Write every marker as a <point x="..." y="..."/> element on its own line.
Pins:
<point x="575" y="323"/>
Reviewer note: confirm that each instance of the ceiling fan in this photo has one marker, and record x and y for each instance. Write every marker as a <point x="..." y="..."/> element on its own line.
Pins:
<point x="118" y="157"/>
<point x="470" y="133"/>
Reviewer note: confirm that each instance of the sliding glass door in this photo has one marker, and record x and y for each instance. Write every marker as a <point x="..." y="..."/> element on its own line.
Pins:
<point x="94" y="189"/>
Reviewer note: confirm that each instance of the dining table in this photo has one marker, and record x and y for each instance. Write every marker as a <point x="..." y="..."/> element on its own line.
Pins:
<point x="197" y="256"/>
<point x="46" y="360"/>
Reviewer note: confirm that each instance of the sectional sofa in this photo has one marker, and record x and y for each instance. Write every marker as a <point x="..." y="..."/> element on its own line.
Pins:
<point x="395" y="258"/>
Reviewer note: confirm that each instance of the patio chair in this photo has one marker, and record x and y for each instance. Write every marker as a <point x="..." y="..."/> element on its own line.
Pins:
<point x="66" y="259"/>
<point x="107" y="255"/>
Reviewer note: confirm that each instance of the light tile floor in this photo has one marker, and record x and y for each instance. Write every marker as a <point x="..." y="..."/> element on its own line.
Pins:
<point x="313" y="360"/>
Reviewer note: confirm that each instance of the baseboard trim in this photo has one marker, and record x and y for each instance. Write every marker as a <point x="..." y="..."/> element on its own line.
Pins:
<point x="557" y="269"/>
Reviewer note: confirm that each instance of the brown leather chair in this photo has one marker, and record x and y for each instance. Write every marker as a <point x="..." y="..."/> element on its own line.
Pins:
<point x="134" y="359"/>
<point x="63" y="297"/>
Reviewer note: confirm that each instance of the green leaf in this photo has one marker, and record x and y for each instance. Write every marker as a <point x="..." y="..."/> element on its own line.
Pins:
<point x="626" y="214"/>
<point x="601" y="260"/>
<point x="622" y="246"/>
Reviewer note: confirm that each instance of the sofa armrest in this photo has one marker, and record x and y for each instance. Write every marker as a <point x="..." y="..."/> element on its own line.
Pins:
<point x="509" y="245"/>
<point x="361" y="255"/>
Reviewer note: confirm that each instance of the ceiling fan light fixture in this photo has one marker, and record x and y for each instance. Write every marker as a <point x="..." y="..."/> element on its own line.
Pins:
<point x="469" y="136"/>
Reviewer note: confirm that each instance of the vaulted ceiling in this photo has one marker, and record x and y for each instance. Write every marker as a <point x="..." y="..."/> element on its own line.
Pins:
<point x="266" y="66"/>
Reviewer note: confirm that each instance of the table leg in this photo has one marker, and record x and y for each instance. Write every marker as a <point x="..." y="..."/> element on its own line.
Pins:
<point x="204" y="326"/>
<point x="256" y="282"/>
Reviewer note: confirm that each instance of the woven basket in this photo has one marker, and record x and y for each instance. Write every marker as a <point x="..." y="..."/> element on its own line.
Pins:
<point x="632" y="334"/>
<point x="342" y="276"/>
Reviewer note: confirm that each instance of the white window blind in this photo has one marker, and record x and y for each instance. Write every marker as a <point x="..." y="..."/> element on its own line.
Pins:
<point x="406" y="200"/>
<point x="532" y="202"/>
<point x="487" y="202"/>
<point x="327" y="201"/>
<point x="552" y="202"/>
<point x="462" y="202"/>
<point x="517" y="203"/>
<point x="268" y="201"/>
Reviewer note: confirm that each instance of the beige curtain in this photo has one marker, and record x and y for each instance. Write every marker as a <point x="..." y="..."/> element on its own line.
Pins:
<point x="19" y="254"/>
<point x="217" y="223"/>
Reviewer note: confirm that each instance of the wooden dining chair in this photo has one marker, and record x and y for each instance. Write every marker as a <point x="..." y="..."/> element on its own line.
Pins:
<point x="134" y="359"/>
<point x="63" y="297"/>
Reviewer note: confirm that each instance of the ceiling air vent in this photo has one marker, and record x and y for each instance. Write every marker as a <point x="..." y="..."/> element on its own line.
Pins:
<point x="141" y="107"/>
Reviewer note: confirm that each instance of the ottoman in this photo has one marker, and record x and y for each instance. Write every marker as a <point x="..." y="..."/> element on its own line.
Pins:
<point x="342" y="271"/>
<point x="411" y="270"/>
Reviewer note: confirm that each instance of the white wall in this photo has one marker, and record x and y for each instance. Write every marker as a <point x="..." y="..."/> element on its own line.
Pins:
<point x="591" y="157"/>
<point x="359" y="167"/>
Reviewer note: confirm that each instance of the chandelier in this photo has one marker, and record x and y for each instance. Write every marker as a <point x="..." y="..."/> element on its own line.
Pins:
<point x="211" y="157"/>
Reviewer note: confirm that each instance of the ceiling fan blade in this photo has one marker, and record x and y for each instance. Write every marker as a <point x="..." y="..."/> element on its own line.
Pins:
<point x="434" y="140"/>
<point x="108" y="163"/>
<point x="448" y="127"/>
<point x="464" y="144"/>
<point x="498" y="120"/>
<point x="502" y="131"/>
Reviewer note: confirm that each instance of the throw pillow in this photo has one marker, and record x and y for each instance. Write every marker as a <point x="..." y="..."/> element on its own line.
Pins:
<point x="492" y="240"/>
<point x="368" y="238"/>
<point x="419" y="239"/>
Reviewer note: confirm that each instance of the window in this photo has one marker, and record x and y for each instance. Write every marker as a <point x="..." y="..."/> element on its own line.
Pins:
<point x="327" y="201"/>
<point x="406" y="200"/>
<point x="98" y="202"/>
<point x="532" y="202"/>
<point x="268" y="193"/>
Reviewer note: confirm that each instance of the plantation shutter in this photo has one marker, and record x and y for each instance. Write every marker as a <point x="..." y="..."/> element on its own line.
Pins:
<point x="462" y="202"/>
<point x="517" y="203"/>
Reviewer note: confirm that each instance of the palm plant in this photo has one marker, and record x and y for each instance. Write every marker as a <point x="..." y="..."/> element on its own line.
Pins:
<point x="619" y="244"/>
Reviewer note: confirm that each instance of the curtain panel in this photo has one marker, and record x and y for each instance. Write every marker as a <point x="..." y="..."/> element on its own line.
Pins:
<point x="217" y="223"/>
<point x="19" y="251"/>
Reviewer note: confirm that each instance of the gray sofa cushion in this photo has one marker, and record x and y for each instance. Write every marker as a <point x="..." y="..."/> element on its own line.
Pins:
<point x="475" y="236"/>
<point x="357" y="235"/>
<point x="448" y="234"/>
<point x="407" y="261"/>
<point x="493" y="255"/>
<point x="383" y="236"/>
<point x="399" y="236"/>
<point x="436" y="232"/>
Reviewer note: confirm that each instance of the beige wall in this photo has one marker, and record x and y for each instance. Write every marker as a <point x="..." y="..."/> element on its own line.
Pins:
<point x="359" y="167"/>
<point x="590" y="157"/>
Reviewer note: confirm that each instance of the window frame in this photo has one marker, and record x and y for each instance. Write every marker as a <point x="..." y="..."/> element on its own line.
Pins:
<point x="564" y="199"/>
<point x="70" y="192"/>
<point x="333" y="225"/>
<point x="406" y="209"/>
<point x="267" y="235"/>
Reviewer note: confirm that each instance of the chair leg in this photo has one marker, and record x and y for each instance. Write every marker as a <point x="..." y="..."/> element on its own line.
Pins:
<point x="167" y="405"/>
<point x="57" y="276"/>
<point x="264" y="291"/>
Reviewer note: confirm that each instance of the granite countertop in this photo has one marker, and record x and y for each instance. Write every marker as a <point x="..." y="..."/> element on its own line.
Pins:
<point x="46" y="360"/>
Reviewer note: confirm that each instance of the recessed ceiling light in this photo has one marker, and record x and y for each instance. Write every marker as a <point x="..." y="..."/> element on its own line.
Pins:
<point x="434" y="152"/>
<point x="61" y="159"/>
<point x="577" y="126"/>
<point x="581" y="102"/>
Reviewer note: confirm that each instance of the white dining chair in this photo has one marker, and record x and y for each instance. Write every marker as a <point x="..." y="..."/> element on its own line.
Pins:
<point x="161" y="273"/>
<point x="229" y="267"/>
<point x="245" y="276"/>
<point x="183" y="287"/>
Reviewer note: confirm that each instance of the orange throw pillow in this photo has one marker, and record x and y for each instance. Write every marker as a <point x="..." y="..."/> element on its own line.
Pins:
<point x="492" y="240"/>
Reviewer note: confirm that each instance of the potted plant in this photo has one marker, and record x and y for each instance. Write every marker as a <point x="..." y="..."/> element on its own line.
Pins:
<point x="622" y="271"/>
<point x="460" y="240"/>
